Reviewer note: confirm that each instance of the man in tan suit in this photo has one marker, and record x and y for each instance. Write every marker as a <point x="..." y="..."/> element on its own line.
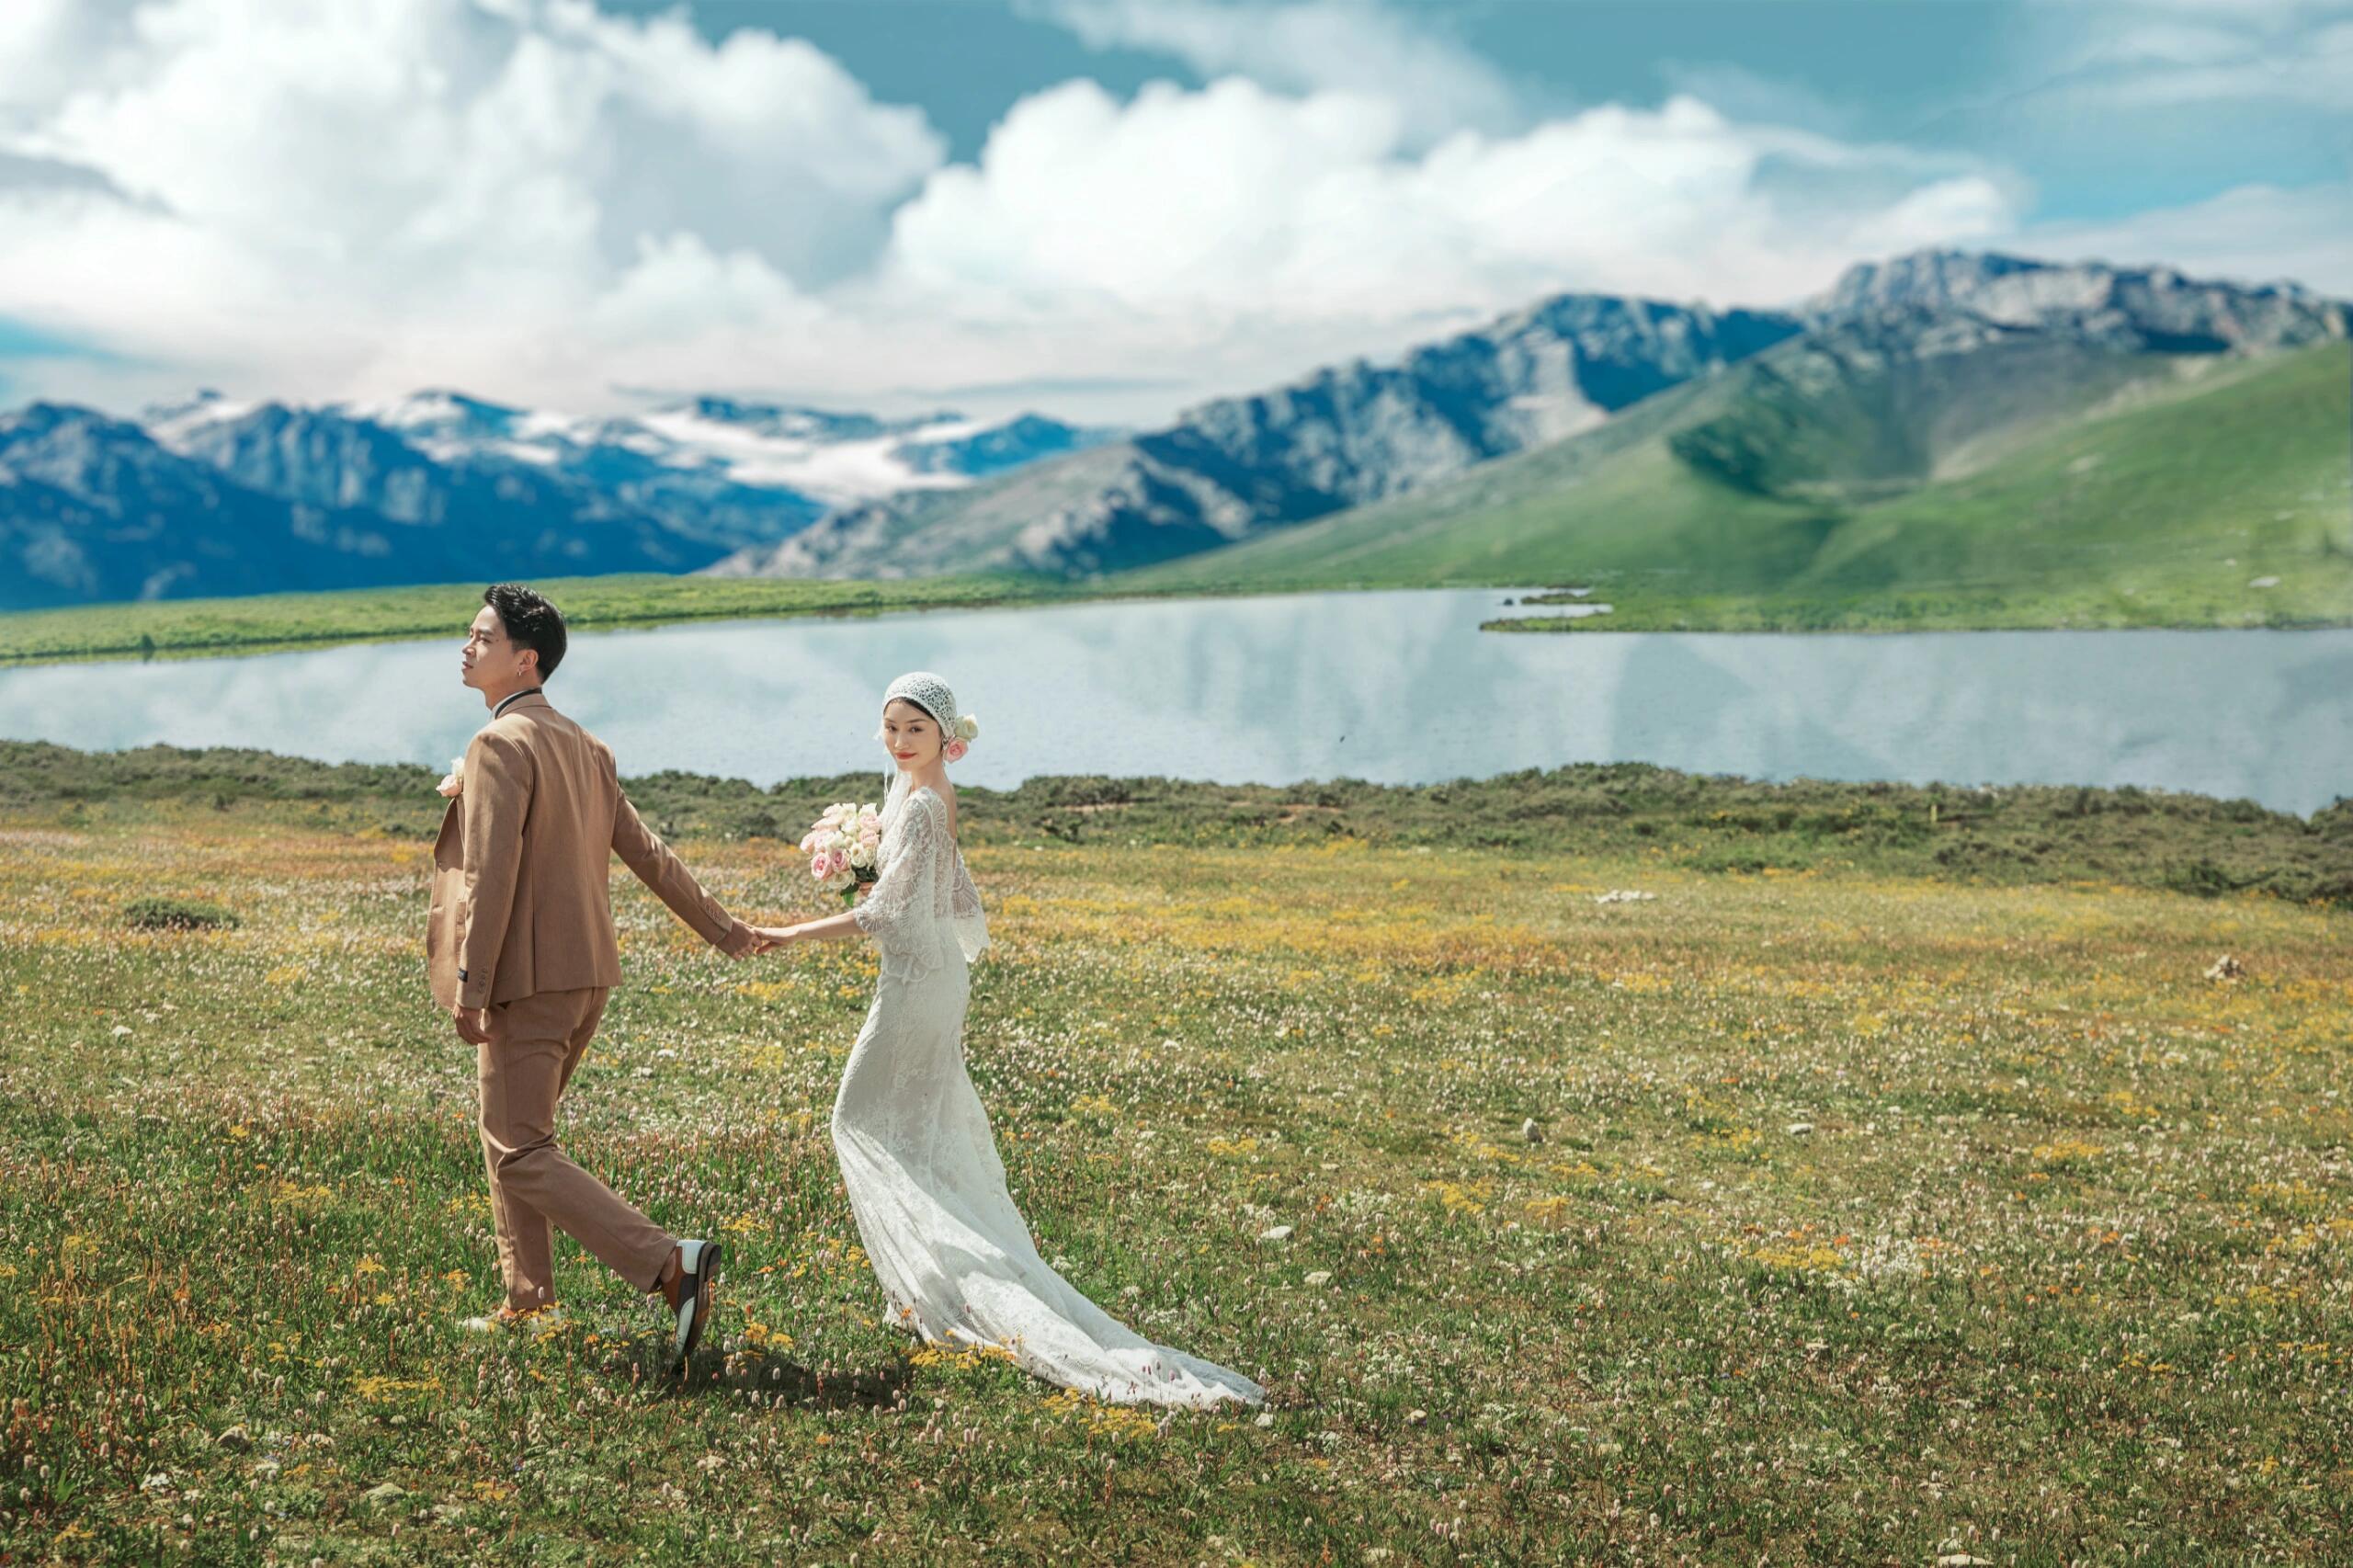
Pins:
<point x="521" y="952"/>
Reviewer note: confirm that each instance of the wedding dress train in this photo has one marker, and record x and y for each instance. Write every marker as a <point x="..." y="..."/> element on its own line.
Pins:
<point x="926" y="1184"/>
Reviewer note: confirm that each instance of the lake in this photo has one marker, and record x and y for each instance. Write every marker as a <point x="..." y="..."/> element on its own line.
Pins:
<point x="1395" y="687"/>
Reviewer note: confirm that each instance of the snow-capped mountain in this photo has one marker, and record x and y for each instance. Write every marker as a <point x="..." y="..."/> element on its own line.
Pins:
<point x="236" y="496"/>
<point x="804" y="462"/>
<point x="831" y="459"/>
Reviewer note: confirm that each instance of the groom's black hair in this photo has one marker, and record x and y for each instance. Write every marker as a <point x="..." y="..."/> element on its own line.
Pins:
<point x="530" y="621"/>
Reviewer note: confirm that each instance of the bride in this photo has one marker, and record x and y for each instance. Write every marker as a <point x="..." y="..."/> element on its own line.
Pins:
<point x="927" y="1187"/>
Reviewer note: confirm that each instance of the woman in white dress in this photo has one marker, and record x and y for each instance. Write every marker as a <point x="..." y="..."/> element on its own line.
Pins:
<point x="919" y="1159"/>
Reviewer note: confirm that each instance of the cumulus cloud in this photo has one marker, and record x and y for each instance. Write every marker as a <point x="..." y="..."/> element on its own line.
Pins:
<point x="313" y="189"/>
<point x="1260" y="205"/>
<point x="532" y="200"/>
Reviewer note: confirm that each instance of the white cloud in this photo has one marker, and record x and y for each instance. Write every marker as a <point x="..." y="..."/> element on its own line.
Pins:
<point x="538" y="203"/>
<point x="1743" y="94"/>
<point x="2170" y="54"/>
<point x="1236" y="235"/>
<point x="2164" y="66"/>
<point x="333" y="194"/>
<point x="1307" y="46"/>
<point x="1260" y="207"/>
<point x="47" y="47"/>
<point x="2254" y="233"/>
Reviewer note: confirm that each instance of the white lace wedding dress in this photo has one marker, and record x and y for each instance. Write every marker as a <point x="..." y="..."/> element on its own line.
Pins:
<point x="952" y="1253"/>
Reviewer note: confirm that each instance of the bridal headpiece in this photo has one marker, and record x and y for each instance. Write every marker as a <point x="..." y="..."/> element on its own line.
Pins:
<point x="930" y="693"/>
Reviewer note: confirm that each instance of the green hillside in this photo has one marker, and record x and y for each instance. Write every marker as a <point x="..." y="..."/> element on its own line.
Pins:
<point x="1764" y="498"/>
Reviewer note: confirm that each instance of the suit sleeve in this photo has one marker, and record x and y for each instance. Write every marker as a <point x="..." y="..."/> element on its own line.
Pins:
<point x="658" y="867"/>
<point x="497" y="799"/>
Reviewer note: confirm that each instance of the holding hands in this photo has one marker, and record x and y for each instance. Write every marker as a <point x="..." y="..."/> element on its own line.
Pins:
<point x="843" y="848"/>
<point x="769" y="938"/>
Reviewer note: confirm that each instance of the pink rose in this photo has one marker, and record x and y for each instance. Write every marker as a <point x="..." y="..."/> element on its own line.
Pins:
<point x="954" y="751"/>
<point x="454" y="782"/>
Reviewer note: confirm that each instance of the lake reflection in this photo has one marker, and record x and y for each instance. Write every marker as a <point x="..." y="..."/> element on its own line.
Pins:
<point x="1387" y="687"/>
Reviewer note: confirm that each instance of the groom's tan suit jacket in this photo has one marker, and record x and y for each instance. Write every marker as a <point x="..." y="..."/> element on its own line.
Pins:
<point x="522" y="900"/>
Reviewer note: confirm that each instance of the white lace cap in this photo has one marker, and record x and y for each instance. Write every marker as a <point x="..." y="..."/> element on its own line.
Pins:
<point x="930" y="693"/>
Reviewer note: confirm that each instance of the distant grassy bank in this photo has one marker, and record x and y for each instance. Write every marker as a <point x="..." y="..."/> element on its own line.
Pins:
<point x="2033" y="833"/>
<point x="180" y="629"/>
<point x="277" y="622"/>
<point x="2189" y="606"/>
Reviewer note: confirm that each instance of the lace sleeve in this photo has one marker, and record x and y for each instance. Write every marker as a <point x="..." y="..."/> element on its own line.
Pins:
<point x="898" y="897"/>
<point x="965" y="908"/>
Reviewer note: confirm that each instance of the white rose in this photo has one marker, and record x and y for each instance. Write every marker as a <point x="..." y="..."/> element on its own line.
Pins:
<point x="968" y="728"/>
<point x="455" y="780"/>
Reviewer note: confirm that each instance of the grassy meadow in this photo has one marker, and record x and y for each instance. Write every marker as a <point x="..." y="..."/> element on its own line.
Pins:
<point x="1883" y="1205"/>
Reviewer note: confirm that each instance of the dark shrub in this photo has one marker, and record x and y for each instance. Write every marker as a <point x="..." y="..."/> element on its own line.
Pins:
<point x="175" y="915"/>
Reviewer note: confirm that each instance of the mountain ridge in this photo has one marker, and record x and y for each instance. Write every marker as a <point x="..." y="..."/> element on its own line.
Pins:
<point x="1357" y="434"/>
<point x="243" y="497"/>
<point x="1904" y="373"/>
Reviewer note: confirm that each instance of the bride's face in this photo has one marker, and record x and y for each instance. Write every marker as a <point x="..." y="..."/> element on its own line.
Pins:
<point x="911" y="735"/>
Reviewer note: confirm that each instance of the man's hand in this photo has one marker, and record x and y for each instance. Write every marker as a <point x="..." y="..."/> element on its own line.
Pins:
<point x="469" y="1025"/>
<point x="768" y="938"/>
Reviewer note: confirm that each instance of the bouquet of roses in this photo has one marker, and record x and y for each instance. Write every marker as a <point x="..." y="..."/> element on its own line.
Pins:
<point x="845" y="847"/>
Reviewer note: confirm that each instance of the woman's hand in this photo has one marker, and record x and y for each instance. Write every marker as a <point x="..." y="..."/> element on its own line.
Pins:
<point x="768" y="938"/>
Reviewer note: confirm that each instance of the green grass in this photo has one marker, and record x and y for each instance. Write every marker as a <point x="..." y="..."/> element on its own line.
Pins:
<point x="1875" y="1215"/>
<point x="2159" y="509"/>
<point x="181" y="628"/>
<point x="2014" y="834"/>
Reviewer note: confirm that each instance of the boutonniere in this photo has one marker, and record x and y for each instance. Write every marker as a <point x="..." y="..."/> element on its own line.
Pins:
<point x="454" y="780"/>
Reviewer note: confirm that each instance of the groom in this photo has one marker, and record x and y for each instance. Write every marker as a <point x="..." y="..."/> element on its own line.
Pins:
<point x="521" y="953"/>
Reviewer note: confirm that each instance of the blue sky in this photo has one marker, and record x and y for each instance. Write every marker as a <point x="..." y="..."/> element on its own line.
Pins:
<point x="1105" y="208"/>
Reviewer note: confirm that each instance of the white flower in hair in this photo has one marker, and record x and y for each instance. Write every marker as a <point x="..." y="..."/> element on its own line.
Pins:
<point x="968" y="728"/>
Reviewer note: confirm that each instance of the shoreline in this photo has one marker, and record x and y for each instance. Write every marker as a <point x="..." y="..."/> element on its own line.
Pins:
<point x="276" y="623"/>
<point x="1554" y="625"/>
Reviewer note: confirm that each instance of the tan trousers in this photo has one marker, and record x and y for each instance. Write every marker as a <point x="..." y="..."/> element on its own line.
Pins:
<point x="535" y="1043"/>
